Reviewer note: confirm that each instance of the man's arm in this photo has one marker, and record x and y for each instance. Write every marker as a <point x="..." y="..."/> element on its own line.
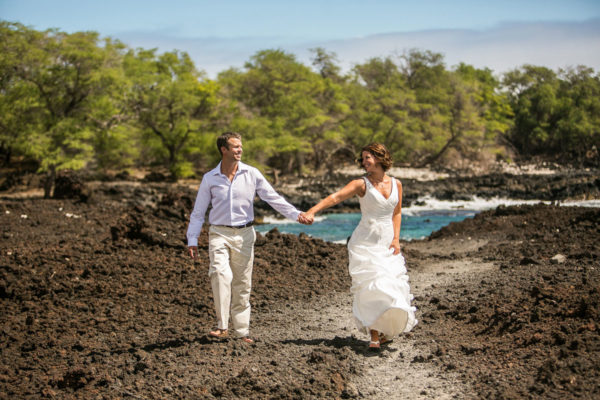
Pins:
<point x="266" y="192"/>
<point x="197" y="217"/>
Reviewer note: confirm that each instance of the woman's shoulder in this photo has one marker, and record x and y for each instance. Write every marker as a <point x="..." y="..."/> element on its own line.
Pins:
<point x="362" y="181"/>
<point x="358" y="186"/>
<point x="394" y="179"/>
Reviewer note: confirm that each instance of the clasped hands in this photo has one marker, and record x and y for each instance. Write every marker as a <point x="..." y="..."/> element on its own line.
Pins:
<point x="306" y="219"/>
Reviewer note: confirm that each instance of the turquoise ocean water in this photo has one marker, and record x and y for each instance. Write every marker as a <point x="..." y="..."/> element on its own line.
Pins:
<point x="338" y="227"/>
<point x="418" y="221"/>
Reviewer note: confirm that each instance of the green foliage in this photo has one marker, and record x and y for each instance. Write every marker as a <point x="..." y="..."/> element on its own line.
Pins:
<point x="19" y="101"/>
<point x="62" y="76"/>
<point x="169" y="101"/>
<point x="79" y="101"/>
<point x="291" y="105"/>
<point x="381" y="105"/>
<point x="554" y="112"/>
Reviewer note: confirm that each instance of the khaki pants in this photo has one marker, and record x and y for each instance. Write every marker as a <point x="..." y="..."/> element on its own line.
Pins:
<point x="231" y="253"/>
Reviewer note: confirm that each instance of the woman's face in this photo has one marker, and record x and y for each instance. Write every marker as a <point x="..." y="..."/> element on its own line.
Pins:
<point x="369" y="161"/>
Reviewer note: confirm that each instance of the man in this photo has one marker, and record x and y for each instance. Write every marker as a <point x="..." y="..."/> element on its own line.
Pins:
<point x="230" y="189"/>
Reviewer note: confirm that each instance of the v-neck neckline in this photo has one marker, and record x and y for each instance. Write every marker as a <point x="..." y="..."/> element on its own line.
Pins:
<point x="391" y="190"/>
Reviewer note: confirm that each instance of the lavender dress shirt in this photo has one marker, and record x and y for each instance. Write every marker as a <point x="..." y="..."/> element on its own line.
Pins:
<point x="233" y="202"/>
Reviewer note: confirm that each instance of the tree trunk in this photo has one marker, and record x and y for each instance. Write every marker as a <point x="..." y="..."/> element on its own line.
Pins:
<point x="49" y="182"/>
<point x="290" y="164"/>
<point x="434" y="157"/>
<point x="300" y="162"/>
<point x="6" y="151"/>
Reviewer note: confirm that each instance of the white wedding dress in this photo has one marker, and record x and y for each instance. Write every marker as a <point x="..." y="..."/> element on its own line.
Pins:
<point x="379" y="281"/>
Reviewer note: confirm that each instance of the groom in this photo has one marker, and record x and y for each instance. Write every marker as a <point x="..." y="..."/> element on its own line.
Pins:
<point x="230" y="189"/>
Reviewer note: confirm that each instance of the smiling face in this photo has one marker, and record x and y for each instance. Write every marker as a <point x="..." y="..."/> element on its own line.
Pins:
<point x="378" y="157"/>
<point x="369" y="161"/>
<point x="233" y="151"/>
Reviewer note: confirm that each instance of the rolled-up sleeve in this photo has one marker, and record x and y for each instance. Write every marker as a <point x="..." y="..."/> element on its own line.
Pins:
<point x="266" y="192"/>
<point x="198" y="214"/>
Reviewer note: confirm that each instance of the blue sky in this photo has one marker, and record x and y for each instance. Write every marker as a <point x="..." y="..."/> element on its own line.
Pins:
<point x="499" y="34"/>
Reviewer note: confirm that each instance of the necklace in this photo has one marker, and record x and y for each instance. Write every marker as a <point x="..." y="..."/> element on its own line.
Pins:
<point x="378" y="183"/>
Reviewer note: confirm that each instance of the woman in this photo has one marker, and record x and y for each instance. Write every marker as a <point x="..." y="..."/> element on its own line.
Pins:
<point x="379" y="281"/>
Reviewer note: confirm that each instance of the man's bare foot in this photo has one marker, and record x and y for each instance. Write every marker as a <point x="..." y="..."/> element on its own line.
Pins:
<point x="219" y="333"/>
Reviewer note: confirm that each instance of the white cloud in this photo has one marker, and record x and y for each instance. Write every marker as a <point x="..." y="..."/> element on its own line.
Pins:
<point x="554" y="45"/>
<point x="504" y="47"/>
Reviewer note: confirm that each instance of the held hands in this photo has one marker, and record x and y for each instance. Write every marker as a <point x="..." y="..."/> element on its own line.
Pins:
<point x="395" y="246"/>
<point x="306" y="219"/>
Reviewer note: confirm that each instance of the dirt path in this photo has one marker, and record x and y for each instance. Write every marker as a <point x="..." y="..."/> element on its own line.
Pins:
<point x="398" y="371"/>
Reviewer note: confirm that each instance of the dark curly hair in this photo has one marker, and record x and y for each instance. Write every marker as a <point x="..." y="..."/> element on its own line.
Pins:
<point x="381" y="154"/>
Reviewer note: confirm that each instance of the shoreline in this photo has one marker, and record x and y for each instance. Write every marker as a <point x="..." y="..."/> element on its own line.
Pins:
<point x="497" y="179"/>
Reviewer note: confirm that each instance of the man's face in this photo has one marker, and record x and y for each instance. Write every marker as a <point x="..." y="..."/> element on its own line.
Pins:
<point x="234" y="152"/>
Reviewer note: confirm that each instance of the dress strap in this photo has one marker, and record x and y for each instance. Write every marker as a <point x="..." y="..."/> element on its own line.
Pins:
<point x="367" y="181"/>
<point x="395" y="189"/>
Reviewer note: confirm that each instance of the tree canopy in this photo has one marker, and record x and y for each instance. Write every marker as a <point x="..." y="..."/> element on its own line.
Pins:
<point x="80" y="101"/>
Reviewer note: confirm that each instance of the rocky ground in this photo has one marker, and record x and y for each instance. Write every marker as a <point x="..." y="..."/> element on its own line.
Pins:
<point x="100" y="301"/>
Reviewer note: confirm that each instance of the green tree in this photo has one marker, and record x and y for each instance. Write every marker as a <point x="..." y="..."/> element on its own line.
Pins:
<point x="555" y="113"/>
<point x="233" y="114"/>
<point x="114" y="140"/>
<point x="493" y="104"/>
<point x="287" y="104"/>
<point x="325" y="63"/>
<point x="172" y="102"/>
<point x="326" y="134"/>
<point x="381" y="105"/>
<point x="18" y="99"/>
<point x="478" y="114"/>
<point x="430" y="82"/>
<point x="68" y="74"/>
<point x="456" y="115"/>
<point x="578" y="122"/>
<point x="532" y="94"/>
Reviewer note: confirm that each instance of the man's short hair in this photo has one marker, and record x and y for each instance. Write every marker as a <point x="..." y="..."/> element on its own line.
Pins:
<point x="223" y="140"/>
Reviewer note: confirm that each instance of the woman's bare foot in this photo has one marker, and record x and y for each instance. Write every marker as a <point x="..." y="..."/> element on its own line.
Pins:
<point x="374" y="343"/>
<point x="384" y="339"/>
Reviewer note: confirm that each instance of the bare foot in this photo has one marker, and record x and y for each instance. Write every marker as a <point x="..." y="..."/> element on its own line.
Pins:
<point x="219" y="333"/>
<point x="384" y="339"/>
<point x="374" y="343"/>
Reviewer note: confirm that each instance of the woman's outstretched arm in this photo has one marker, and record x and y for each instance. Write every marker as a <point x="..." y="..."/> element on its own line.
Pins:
<point x="355" y="187"/>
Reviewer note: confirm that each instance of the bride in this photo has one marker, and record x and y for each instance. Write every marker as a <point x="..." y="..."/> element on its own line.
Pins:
<point x="382" y="297"/>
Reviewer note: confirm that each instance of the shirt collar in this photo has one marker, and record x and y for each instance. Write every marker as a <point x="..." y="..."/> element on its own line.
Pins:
<point x="241" y="168"/>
